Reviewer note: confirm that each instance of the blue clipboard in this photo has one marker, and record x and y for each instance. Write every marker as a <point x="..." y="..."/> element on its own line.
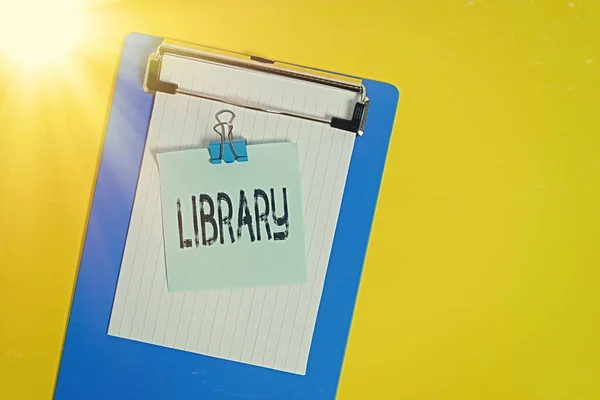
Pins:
<point x="95" y="365"/>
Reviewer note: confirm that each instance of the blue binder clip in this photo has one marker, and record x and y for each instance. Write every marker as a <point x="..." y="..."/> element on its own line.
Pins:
<point x="236" y="151"/>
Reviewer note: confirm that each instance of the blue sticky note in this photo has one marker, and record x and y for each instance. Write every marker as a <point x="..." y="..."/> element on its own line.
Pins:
<point x="232" y="224"/>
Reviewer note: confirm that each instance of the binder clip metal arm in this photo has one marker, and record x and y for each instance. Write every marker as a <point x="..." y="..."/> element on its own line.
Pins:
<point x="236" y="151"/>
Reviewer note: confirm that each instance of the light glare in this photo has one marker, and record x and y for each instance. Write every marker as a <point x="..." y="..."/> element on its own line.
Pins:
<point x="37" y="32"/>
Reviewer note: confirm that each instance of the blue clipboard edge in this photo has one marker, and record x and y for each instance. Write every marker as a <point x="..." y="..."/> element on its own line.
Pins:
<point x="87" y="318"/>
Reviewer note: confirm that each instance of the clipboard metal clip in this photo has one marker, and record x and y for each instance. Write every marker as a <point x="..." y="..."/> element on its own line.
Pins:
<point x="154" y="84"/>
<point x="236" y="151"/>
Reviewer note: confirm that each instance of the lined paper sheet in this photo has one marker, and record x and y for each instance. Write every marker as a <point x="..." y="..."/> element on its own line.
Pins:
<point x="271" y="326"/>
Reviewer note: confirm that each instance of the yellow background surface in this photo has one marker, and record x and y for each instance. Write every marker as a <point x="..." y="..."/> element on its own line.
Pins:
<point x="482" y="276"/>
